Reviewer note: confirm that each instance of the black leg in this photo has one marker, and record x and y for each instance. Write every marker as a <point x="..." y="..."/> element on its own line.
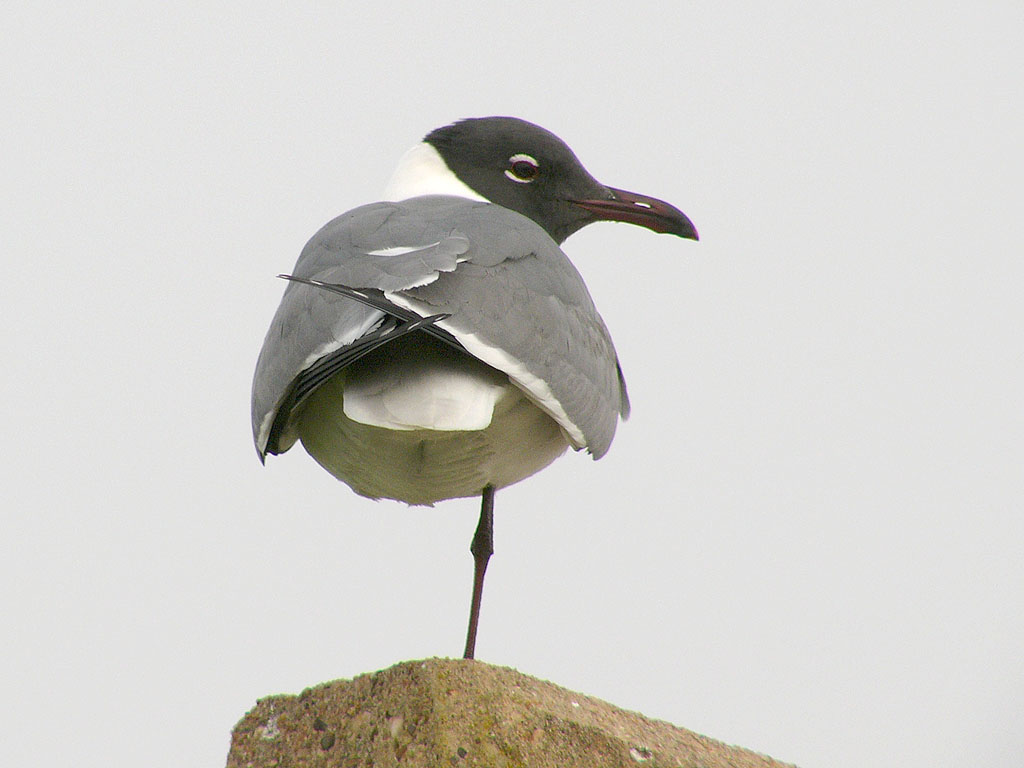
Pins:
<point x="482" y="549"/>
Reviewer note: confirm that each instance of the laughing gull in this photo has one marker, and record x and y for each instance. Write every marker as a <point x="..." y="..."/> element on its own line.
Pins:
<point x="440" y="344"/>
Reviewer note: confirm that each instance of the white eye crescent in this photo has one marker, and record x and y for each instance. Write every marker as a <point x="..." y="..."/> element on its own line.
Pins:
<point x="522" y="168"/>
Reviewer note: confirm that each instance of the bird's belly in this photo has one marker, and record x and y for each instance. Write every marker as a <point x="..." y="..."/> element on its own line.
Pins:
<point x="423" y="424"/>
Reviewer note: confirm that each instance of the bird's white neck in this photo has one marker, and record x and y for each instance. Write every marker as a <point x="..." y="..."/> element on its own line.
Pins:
<point x="422" y="171"/>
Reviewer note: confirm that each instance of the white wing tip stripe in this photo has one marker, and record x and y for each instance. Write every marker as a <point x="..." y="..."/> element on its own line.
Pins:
<point x="401" y="250"/>
<point x="263" y="437"/>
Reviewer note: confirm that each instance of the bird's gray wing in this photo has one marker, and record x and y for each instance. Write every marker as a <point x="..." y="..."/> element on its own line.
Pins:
<point x="517" y="303"/>
<point x="315" y="332"/>
<point x="514" y="300"/>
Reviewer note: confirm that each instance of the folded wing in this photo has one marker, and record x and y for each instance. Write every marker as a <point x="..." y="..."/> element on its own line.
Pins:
<point x="511" y="297"/>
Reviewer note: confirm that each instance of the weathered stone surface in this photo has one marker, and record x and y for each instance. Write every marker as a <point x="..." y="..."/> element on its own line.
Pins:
<point x="465" y="714"/>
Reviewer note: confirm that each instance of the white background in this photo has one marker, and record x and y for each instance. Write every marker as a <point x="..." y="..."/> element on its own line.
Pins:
<point x="808" y="538"/>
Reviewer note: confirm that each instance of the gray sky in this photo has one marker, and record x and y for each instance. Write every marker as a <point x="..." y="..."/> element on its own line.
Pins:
<point x="806" y="540"/>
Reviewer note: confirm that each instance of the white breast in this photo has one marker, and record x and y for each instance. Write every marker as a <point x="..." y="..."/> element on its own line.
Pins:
<point x="419" y="422"/>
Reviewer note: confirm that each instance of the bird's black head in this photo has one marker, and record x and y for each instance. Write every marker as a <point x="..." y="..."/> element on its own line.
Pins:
<point x="519" y="165"/>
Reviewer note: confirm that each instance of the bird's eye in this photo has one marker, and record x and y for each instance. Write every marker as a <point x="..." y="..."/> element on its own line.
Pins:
<point x="522" y="168"/>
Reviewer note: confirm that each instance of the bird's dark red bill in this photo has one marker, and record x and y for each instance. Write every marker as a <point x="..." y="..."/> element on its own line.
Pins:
<point x="644" y="211"/>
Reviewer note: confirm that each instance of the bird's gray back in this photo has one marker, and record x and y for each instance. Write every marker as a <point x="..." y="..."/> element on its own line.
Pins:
<point x="506" y="284"/>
